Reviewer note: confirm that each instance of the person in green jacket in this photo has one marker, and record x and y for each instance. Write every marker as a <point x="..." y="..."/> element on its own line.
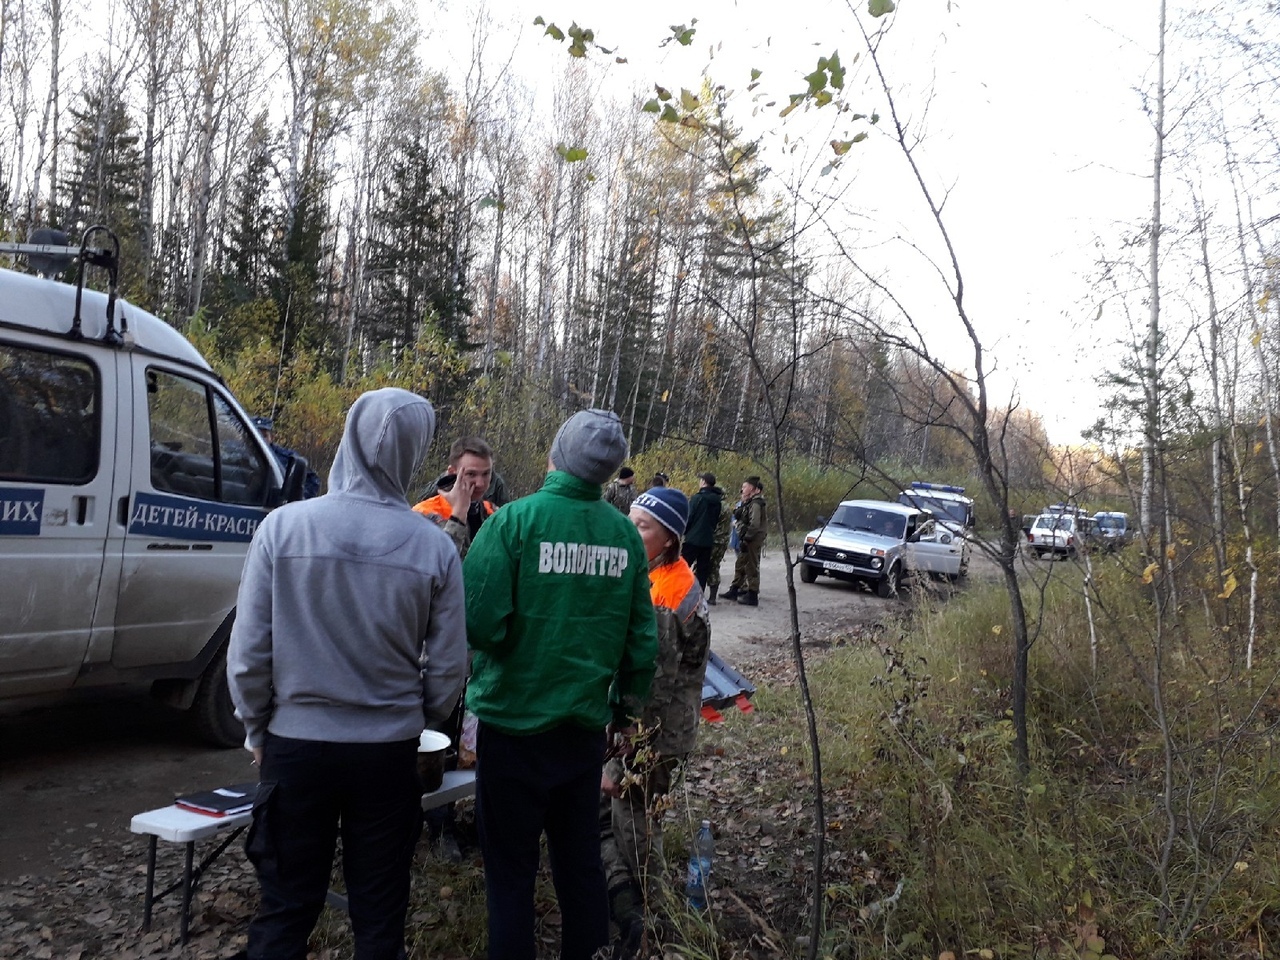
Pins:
<point x="564" y="644"/>
<point x="752" y="528"/>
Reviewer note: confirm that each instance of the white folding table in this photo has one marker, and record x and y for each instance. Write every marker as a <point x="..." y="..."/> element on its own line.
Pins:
<point x="173" y="824"/>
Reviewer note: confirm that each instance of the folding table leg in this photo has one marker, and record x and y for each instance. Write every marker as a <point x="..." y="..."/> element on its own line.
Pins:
<point x="186" y="892"/>
<point x="148" y="898"/>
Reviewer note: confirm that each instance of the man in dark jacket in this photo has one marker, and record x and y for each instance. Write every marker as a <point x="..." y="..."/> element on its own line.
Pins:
<point x="704" y="514"/>
<point x="267" y="427"/>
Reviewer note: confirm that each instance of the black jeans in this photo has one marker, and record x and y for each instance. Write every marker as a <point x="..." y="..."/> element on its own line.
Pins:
<point x="310" y="790"/>
<point x="526" y="785"/>
<point x="699" y="558"/>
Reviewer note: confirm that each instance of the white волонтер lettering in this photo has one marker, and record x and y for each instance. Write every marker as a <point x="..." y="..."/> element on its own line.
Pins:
<point x="585" y="558"/>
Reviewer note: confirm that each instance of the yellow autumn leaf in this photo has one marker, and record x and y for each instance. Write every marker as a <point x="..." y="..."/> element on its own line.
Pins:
<point x="1240" y="866"/>
<point x="997" y="629"/>
<point x="1229" y="587"/>
<point x="1257" y="448"/>
<point x="1170" y="551"/>
<point x="1256" y="339"/>
<point x="666" y="395"/>
<point x="1149" y="574"/>
<point x="784" y="751"/>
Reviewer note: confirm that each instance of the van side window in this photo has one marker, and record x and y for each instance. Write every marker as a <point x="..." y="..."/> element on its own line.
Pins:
<point x="50" y="416"/>
<point x="199" y="447"/>
<point x="244" y="472"/>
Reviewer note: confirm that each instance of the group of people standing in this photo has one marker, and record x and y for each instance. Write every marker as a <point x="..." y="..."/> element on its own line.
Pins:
<point x="584" y="634"/>
<point x="712" y="530"/>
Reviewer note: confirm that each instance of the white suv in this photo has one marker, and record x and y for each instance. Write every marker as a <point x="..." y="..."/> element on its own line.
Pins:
<point x="1063" y="534"/>
<point x="875" y="542"/>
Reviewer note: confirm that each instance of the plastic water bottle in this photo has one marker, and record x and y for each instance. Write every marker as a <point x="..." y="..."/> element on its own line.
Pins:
<point x="700" y="858"/>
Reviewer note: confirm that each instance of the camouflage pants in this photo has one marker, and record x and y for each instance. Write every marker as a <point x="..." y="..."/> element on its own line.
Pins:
<point x="631" y="829"/>
<point x="746" y="572"/>
<point x="717" y="556"/>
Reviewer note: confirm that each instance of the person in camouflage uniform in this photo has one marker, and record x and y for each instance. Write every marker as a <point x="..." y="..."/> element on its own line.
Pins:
<point x="622" y="491"/>
<point x="752" y="529"/>
<point x="637" y="781"/>
<point x="719" y="544"/>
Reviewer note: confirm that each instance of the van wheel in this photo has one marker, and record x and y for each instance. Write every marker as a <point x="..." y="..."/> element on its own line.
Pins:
<point x="888" y="585"/>
<point x="807" y="573"/>
<point x="212" y="712"/>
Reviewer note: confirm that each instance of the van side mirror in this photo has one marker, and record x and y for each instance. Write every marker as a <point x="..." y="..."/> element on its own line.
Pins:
<point x="295" y="478"/>
<point x="822" y="521"/>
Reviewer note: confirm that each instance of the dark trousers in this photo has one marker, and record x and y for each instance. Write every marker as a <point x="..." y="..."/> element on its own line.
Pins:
<point x="526" y="785"/>
<point x="310" y="792"/>
<point x="699" y="558"/>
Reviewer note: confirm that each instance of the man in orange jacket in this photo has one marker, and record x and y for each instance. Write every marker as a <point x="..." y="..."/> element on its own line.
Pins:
<point x="459" y="506"/>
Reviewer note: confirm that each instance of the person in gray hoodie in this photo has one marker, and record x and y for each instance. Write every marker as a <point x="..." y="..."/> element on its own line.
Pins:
<point x="350" y="630"/>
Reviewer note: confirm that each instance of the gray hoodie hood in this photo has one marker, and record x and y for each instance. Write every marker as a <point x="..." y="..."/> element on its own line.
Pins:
<point x="383" y="444"/>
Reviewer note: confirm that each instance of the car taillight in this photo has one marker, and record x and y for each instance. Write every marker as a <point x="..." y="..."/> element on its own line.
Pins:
<point x="1071" y="541"/>
<point x="1031" y="538"/>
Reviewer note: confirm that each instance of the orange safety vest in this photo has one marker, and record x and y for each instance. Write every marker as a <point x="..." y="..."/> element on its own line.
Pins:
<point x="439" y="506"/>
<point x="674" y="587"/>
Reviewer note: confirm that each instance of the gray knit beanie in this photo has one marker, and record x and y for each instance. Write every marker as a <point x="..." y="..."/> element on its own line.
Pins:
<point x="590" y="445"/>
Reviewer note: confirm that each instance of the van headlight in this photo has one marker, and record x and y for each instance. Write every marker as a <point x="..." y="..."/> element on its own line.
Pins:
<point x="876" y="563"/>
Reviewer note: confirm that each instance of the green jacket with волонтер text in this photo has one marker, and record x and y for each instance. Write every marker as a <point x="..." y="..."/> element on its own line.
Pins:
<point x="558" y="612"/>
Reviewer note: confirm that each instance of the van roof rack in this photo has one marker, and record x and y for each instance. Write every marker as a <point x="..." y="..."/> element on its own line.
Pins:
<point x="48" y="253"/>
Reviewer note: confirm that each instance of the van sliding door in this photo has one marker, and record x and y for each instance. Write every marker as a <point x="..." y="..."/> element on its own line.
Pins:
<point x="57" y="451"/>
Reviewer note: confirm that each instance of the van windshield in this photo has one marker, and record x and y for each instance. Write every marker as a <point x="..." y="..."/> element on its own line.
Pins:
<point x="1115" y="524"/>
<point x="955" y="511"/>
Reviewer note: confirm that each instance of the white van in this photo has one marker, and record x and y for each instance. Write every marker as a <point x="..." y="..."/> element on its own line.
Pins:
<point x="131" y="482"/>
<point x="948" y="504"/>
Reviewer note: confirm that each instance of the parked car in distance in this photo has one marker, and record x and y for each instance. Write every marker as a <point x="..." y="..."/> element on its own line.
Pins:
<point x="876" y="542"/>
<point x="1113" y="528"/>
<point x="1064" y="534"/>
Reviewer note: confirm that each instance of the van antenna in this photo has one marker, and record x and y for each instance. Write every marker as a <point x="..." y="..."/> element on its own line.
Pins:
<point x="284" y="332"/>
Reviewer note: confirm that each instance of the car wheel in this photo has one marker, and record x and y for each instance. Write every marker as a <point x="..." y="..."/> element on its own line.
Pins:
<point x="808" y="573"/>
<point x="212" y="712"/>
<point x="888" y="585"/>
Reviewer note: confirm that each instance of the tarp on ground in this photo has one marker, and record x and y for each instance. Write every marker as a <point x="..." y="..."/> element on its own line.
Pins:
<point x="723" y="685"/>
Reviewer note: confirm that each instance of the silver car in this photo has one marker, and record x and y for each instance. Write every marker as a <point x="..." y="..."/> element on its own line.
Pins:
<point x="876" y="542"/>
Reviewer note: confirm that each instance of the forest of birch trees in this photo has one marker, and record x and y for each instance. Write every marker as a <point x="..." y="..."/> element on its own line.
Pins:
<point x="304" y="196"/>
<point x="296" y="190"/>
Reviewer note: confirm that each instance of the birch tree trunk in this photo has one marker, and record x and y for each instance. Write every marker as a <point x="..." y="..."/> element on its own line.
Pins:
<point x="1151" y="385"/>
